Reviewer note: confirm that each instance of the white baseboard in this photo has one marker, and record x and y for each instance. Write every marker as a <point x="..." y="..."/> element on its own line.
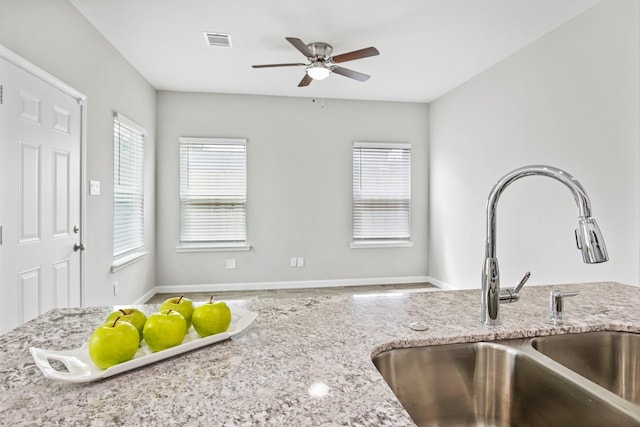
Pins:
<point x="300" y="284"/>
<point x="145" y="297"/>
<point x="440" y="284"/>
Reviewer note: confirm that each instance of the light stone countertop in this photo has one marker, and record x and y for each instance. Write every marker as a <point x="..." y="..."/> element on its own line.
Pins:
<point x="305" y="361"/>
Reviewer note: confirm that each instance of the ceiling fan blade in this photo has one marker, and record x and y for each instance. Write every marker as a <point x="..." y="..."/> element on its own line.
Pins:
<point x="356" y="54"/>
<point x="278" y="65"/>
<point x="305" y="81"/>
<point x="301" y="46"/>
<point x="351" y="74"/>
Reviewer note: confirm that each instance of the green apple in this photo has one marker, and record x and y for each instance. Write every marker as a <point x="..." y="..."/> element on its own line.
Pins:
<point x="131" y="315"/>
<point x="180" y="304"/>
<point x="164" y="329"/>
<point x="211" y="318"/>
<point x="113" y="343"/>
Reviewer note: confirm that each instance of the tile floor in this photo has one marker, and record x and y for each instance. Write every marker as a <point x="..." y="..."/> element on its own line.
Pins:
<point x="284" y="293"/>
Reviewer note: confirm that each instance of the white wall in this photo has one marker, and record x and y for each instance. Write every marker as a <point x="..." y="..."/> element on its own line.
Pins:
<point x="54" y="36"/>
<point x="570" y="100"/>
<point x="299" y="186"/>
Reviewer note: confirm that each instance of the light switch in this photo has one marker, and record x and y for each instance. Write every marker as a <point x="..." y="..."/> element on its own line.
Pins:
<point x="231" y="264"/>
<point x="94" y="188"/>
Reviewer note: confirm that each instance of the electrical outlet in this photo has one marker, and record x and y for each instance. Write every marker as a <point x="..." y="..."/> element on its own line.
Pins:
<point x="294" y="262"/>
<point x="231" y="264"/>
<point x="300" y="261"/>
<point x="116" y="289"/>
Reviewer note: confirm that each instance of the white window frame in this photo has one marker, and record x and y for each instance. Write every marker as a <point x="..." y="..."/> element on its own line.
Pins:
<point x="364" y="241"/>
<point x="134" y="249"/>
<point x="206" y="245"/>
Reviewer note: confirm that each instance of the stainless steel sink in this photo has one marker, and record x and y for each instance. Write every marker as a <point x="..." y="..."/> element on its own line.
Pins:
<point x="492" y="384"/>
<point x="610" y="359"/>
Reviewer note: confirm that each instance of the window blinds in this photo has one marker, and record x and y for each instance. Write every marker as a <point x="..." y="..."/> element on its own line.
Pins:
<point x="381" y="191"/>
<point x="213" y="191"/>
<point x="128" y="186"/>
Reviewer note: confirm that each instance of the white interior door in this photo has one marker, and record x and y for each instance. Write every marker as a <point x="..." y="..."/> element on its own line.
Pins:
<point x="40" y="167"/>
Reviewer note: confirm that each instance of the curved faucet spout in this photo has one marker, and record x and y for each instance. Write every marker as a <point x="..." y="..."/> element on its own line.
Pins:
<point x="578" y="191"/>
<point x="588" y="236"/>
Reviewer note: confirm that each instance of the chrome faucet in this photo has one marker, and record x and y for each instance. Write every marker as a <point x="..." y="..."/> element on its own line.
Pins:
<point x="588" y="238"/>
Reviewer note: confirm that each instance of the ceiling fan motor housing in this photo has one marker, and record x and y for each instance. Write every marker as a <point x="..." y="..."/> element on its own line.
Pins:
<point x="320" y="50"/>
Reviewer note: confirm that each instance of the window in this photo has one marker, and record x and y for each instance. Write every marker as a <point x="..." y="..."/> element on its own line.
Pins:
<point x="128" y="188"/>
<point x="213" y="193"/>
<point x="381" y="194"/>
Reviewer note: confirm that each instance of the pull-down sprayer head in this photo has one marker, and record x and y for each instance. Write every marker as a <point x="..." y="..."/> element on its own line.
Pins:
<point x="590" y="242"/>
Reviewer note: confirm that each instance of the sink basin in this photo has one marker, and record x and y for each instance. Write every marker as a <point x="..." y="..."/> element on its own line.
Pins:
<point x="609" y="359"/>
<point x="489" y="384"/>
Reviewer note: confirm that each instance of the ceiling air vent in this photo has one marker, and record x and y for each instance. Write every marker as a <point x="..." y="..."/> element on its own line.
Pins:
<point x="218" y="39"/>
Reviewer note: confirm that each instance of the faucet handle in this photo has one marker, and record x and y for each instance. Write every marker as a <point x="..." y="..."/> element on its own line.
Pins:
<point x="556" y="303"/>
<point x="511" y="294"/>
<point x="522" y="282"/>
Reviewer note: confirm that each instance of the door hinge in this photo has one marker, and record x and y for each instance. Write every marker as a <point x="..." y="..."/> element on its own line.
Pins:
<point x="0" y="234"/>
<point x="0" y="94"/>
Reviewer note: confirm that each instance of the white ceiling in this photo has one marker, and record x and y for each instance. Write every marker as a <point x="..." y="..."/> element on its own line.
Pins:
<point x="427" y="47"/>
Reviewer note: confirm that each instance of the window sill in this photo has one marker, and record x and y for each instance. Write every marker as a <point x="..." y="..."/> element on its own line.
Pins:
<point x="127" y="260"/>
<point x="227" y="247"/>
<point x="381" y="244"/>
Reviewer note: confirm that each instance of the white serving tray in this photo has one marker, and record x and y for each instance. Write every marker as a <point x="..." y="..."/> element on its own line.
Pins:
<point x="82" y="369"/>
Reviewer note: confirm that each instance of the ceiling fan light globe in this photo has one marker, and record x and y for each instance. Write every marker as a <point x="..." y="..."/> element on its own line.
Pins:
<point x="318" y="72"/>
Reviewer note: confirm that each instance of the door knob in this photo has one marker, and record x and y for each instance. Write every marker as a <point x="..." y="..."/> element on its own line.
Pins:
<point x="78" y="247"/>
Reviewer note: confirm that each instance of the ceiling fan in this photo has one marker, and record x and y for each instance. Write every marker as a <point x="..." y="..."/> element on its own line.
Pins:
<point x="321" y="63"/>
